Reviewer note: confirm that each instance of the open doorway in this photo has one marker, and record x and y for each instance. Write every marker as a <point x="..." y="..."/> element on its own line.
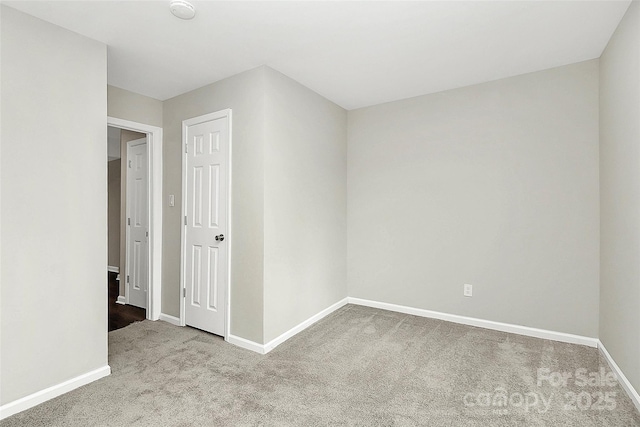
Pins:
<point x="127" y="246"/>
<point x="134" y="221"/>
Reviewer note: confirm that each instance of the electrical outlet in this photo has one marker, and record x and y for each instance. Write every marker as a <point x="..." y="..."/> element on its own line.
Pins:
<point x="468" y="290"/>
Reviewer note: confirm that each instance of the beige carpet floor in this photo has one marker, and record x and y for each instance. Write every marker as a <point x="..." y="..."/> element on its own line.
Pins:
<point x="359" y="366"/>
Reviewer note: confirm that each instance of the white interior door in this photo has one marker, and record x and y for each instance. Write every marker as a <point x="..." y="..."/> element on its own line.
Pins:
<point x="206" y="198"/>
<point x="137" y="223"/>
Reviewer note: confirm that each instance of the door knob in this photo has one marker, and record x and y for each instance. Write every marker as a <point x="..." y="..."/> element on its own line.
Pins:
<point x="220" y="237"/>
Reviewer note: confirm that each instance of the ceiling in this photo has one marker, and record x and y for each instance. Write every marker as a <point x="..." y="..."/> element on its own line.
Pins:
<point x="354" y="53"/>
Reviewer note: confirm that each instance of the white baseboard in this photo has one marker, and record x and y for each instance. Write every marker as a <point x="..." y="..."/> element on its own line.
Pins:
<point x="266" y="348"/>
<point x="304" y="325"/>
<point x="170" y="319"/>
<point x="120" y="300"/>
<point x="41" y="396"/>
<point x="622" y="379"/>
<point x="113" y="269"/>
<point x="246" y="344"/>
<point x="487" y="324"/>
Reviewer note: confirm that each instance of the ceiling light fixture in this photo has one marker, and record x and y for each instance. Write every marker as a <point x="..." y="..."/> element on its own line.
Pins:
<point x="182" y="9"/>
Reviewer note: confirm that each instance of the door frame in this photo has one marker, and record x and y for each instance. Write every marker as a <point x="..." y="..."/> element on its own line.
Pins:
<point x="154" y="214"/>
<point x="185" y="124"/>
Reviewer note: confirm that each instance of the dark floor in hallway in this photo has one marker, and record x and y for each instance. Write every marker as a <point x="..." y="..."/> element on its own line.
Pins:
<point x="121" y="315"/>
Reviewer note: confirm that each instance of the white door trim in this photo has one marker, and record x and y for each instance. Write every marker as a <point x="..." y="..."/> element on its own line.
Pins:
<point x="190" y="122"/>
<point x="154" y="193"/>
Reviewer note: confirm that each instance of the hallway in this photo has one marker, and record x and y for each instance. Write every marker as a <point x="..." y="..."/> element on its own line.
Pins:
<point x="121" y="315"/>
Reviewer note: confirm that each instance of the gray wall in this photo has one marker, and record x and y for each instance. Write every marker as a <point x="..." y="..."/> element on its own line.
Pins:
<point x="113" y="215"/>
<point x="244" y="94"/>
<point x="288" y="195"/>
<point x="305" y="166"/>
<point x="620" y="195"/>
<point x="53" y="175"/>
<point x="127" y="105"/>
<point x="495" y="185"/>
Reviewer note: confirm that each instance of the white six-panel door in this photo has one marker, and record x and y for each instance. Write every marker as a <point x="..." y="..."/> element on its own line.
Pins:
<point x="137" y="223"/>
<point x="206" y="198"/>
